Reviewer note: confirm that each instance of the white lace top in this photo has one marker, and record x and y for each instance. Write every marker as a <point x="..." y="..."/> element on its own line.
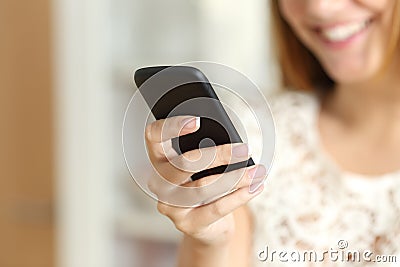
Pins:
<point x="310" y="205"/>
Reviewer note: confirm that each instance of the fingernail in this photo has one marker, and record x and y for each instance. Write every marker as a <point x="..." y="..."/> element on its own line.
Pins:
<point x="258" y="176"/>
<point x="259" y="189"/>
<point x="240" y="151"/>
<point x="257" y="171"/>
<point x="191" y="123"/>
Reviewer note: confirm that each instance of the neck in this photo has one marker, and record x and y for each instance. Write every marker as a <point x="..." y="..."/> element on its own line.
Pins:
<point x="376" y="101"/>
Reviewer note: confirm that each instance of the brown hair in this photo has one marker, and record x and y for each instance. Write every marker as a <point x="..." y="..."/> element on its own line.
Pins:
<point x="299" y="67"/>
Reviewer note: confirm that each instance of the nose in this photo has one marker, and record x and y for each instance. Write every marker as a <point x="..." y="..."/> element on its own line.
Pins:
<point x="323" y="9"/>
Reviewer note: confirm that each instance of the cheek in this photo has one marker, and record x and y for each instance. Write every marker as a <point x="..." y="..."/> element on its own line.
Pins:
<point x="384" y="8"/>
<point x="376" y="5"/>
<point x="292" y="11"/>
<point x="361" y="61"/>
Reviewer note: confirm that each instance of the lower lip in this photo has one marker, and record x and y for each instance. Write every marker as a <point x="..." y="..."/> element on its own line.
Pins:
<point x="344" y="43"/>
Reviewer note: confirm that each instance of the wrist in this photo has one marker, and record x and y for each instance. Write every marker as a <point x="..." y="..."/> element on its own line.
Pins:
<point x="204" y="243"/>
<point x="197" y="252"/>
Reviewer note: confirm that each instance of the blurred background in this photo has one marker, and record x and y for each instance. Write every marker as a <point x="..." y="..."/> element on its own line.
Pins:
<point x="66" y="196"/>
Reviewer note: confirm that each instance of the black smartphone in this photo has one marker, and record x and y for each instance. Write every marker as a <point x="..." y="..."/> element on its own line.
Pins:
<point x="185" y="90"/>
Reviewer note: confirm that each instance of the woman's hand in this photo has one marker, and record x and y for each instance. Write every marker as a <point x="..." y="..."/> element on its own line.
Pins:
<point x="212" y="223"/>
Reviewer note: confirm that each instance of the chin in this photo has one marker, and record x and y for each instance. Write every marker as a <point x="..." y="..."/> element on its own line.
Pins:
<point x="352" y="69"/>
<point x="351" y="75"/>
<point x="350" y="79"/>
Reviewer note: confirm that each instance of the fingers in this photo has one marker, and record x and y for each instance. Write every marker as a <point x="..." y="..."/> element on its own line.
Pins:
<point x="218" y="209"/>
<point x="190" y="220"/>
<point x="178" y="170"/>
<point x="246" y="177"/>
<point x="209" y="188"/>
<point x="210" y="157"/>
<point x="158" y="139"/>
<point x="167" y="172"/>
<point x="165" y="129"/>
<point x="197" y="221"/>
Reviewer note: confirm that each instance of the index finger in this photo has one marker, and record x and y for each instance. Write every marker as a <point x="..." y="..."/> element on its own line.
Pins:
<point x="165" y="129"/>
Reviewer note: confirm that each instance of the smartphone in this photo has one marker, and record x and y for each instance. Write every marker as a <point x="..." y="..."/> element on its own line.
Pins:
<point x="184" y="90"/>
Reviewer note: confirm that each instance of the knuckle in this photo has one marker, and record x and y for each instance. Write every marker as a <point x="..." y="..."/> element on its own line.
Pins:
<point x="162" y="208"/>
<point x="186" y="227"/>
<point x="186" y="161"/>
<point x="181" y="162"/>
<point x="201" y="182"/>
<point x="192" y="155"/>
<point x="224" y="154"/>
<point x="242" y="177"/>
<point x="176" y="122"/>
<point x="217" y="209"/>
<point x="154" y="131"/>
<point x="181" y="226"/>
<point x="242" y="196"/>
<point x="147" y="131"/>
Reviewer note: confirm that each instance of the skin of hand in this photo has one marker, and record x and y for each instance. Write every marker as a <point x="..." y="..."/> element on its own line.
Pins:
<point x="212" y="223"/>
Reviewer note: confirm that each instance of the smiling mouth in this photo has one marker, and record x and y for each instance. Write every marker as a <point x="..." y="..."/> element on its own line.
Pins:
<point x="343" y="32"/>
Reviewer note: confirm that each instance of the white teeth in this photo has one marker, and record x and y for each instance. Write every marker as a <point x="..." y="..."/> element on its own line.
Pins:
<point x="343" y="32"/>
